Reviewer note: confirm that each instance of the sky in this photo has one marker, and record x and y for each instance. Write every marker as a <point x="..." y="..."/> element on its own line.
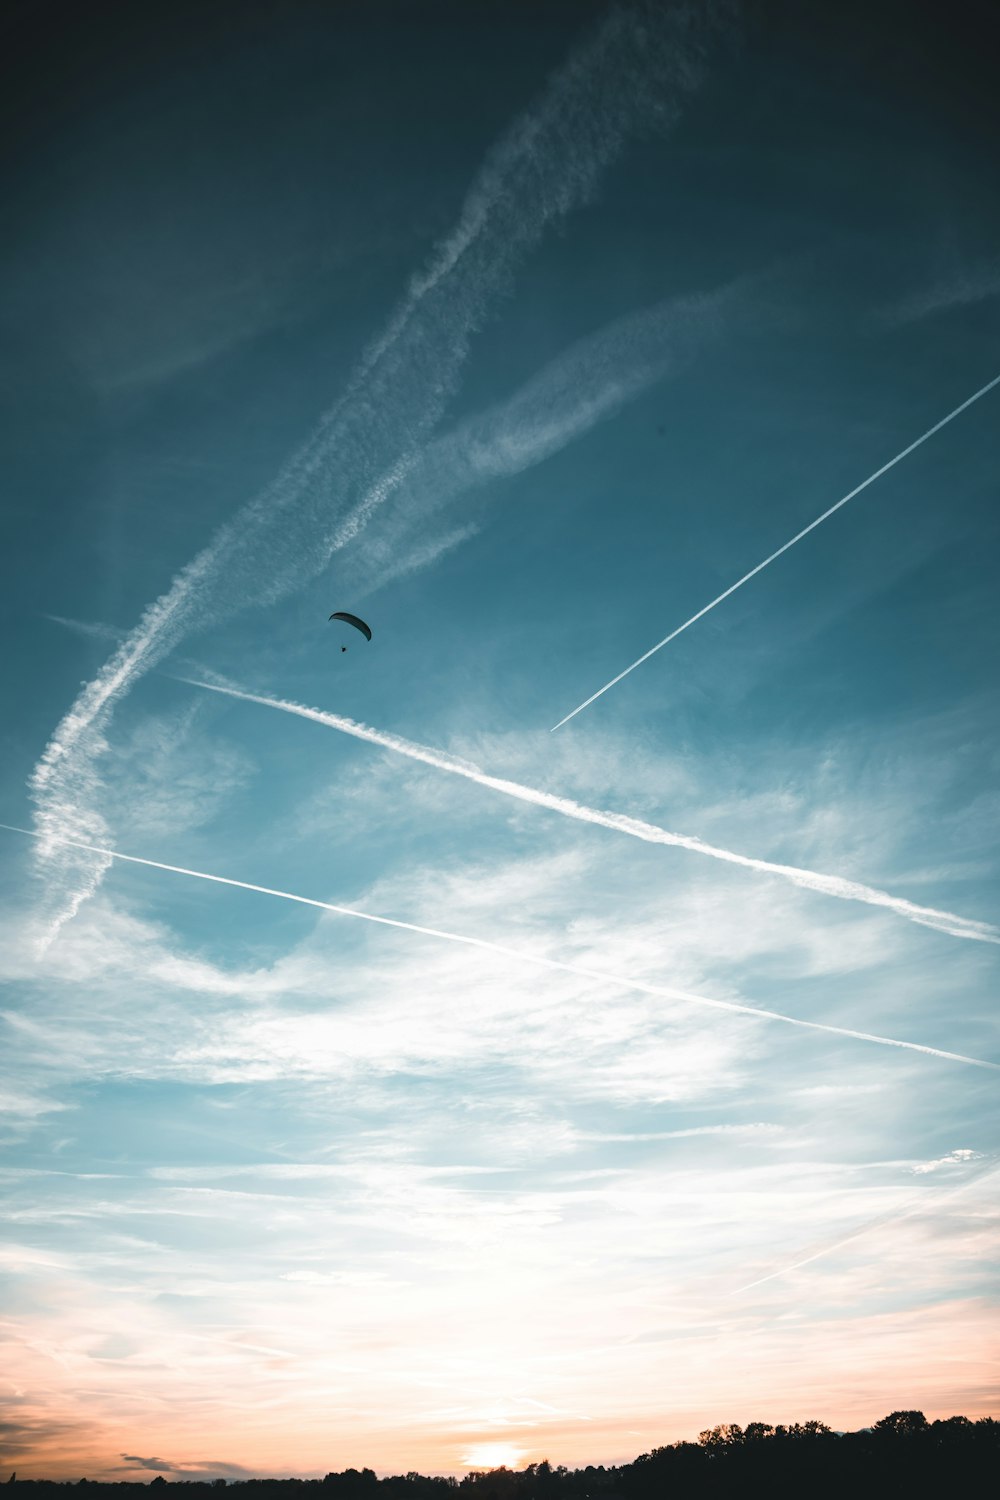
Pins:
<point x="426" y="1086"/>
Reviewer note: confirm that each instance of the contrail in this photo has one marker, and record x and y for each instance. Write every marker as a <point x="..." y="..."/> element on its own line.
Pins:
<point x="791" y="543"/>
<point x="92" y="629"/>
<point x="636" y="67"/>
<point x="585" y="384"/>
<point x="918" y="1206"/>
<point x="663" y="992"/>
<point x="650" y="833"/>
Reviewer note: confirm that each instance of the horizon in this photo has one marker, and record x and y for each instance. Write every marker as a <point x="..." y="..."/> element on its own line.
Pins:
<point x="899" y="1427"/>
<point x="499" y="820"/>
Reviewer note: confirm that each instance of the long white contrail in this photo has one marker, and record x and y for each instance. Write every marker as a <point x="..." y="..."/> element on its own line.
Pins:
<point x="636" y="67"/>
<point x="774" y="555"/>
<point x="650" y="833"/>
<point x="665" y="992"/>
<point x="917" y="1206"/>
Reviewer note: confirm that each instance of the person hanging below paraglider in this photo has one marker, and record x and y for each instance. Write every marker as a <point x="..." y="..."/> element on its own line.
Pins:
<point x="352" y="620"/>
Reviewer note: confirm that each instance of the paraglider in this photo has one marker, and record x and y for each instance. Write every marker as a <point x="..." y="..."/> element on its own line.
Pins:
<point x="341" y="614"/>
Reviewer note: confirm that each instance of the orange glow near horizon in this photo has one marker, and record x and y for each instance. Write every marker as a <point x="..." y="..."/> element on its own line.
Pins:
<point x="494" y="1456"/>
<point x="210" y="1425"/>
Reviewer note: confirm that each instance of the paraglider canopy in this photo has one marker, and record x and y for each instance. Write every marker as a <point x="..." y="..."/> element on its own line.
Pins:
<point x="353" y="620"/>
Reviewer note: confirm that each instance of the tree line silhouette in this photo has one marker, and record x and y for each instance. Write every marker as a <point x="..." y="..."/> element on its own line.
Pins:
<point x="901" y="1454"/>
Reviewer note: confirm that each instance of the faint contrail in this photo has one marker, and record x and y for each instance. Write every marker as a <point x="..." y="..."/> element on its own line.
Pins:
<point x="585" y="384"/>
<point x="635" y="68"/>
<point x="92" y="629"/>
<point x="663" y="992"/>
<point x="768" y="560"/>
<point x="918" y="1206"/>
<point x="650" y="833"/>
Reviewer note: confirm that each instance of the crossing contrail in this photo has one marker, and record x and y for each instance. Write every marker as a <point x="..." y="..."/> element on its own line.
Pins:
<point x="664" y="992"/>
<point x="774" y="555"/>
<point x="650" y="833"/>
<point x="635" y="68"/>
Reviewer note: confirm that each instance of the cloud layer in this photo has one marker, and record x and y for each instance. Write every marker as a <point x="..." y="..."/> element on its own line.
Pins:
<point x="813" y="880"/>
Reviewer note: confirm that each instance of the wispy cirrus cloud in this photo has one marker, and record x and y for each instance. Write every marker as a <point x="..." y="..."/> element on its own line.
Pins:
<point x="978" y="281"/>
<point x="586" y="384"/>
<point x="165" y="775"/>
<point x="23" y="1435"/>
<point x="752" y="1128"/>
<point x="24" y="1104"/>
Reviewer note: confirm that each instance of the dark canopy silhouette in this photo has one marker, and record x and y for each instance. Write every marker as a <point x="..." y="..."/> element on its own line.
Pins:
<point x="342" y="614"/>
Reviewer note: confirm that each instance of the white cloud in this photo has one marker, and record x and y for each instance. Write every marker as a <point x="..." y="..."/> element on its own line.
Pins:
<point x="960" y="1155"/>
<point x="27" y="1105"/>
<point x="165" y="776"/>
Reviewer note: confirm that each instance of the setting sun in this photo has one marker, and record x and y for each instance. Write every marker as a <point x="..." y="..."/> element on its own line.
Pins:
<point x="493" y="1456"/>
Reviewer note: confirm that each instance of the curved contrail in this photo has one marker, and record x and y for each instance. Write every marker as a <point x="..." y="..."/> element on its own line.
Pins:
<point x="650" y="833"/>
<point x="774" y="555"/>
<point x="665" y="992"/>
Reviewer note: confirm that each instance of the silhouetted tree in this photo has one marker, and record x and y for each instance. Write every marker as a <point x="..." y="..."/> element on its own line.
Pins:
<point x="353" y="1484"/>
<point x="728" y="1435"/>
<point x="901" y="1424"/>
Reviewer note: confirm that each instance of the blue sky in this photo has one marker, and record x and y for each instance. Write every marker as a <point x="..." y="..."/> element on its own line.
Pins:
<point x="524" y="335"/>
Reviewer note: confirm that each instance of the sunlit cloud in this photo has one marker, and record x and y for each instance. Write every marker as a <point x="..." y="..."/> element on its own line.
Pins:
<point x="830" y="885"/>
<point x="601" y="976"/>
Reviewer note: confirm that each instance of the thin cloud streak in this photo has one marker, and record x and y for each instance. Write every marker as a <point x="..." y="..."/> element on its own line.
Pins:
<point x="650" y="833"/>
<point x="968" y="285"/>
<point x="774" y="555"/>
<point x="91" y="629"/>
<point x="756" y="1127"/>
<point x="636" y="67"/>
<point x="601" y="976"/>
<point x="585" y="384"/>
